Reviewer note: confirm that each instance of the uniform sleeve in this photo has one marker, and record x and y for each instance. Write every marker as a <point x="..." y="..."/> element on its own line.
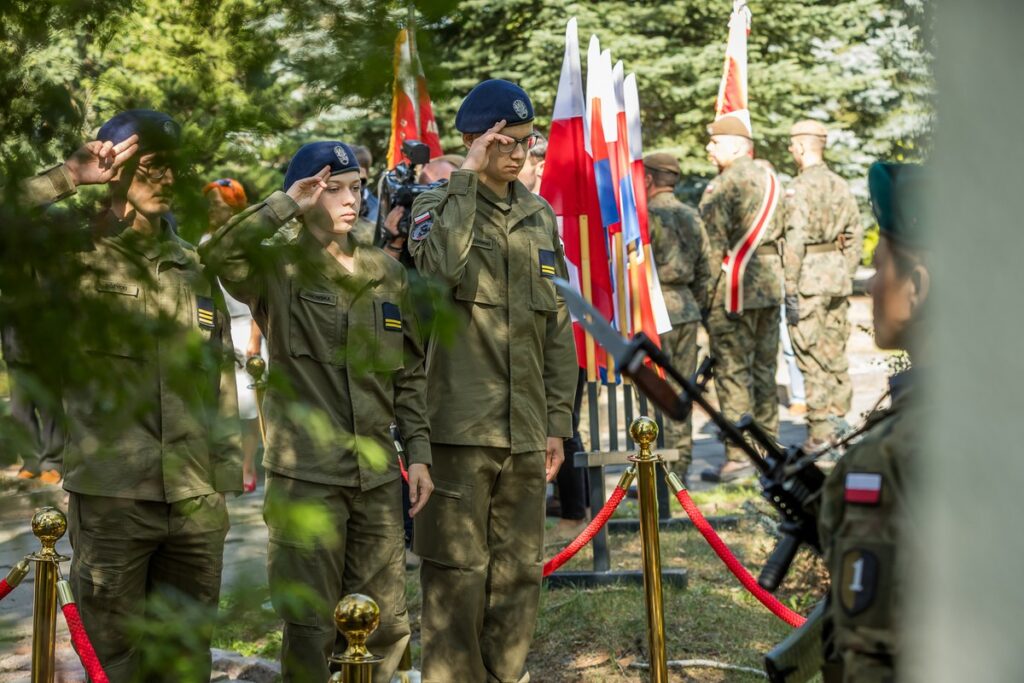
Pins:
<point x="411" y="386"/>
<point x="443" y="251"/>
<point x="714" y="214"/>
<point x="796" y="214"/>
<point x="702" y="267"/>
<point x="46" y="188"/>
<point x="226" y="431"/>
<point x="234" y="254"/>
<point x="560" y="367"/>
<point x="853" y="235"/>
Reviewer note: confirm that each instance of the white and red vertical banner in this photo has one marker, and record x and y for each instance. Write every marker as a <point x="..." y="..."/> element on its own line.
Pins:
<point x="732" y="93"/>
<point x="569" y="187"/>
<point x="412" y="115"/>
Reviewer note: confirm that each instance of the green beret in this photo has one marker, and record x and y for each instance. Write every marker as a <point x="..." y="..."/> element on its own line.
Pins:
<point x="896" y="199"/>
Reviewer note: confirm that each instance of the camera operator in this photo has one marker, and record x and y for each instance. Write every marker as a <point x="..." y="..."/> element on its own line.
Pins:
<point x="397" y="191"/>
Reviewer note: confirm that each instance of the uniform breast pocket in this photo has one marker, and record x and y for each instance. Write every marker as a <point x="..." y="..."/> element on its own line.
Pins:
<point x="545" y="266"/>
<point x="375" y="339"/>
<point x="121" y="305"/>
<point x="481" y="281"/>
<point x="315" y="325"/>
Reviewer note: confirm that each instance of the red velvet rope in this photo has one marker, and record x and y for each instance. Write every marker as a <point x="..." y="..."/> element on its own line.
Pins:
<point x="588" y="534"/>
<point x="738" y="570"/>
<point x="83" y="647"/>
<point x="5" y="588"/>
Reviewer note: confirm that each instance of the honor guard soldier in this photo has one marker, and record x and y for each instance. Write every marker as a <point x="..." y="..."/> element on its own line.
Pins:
<point x="152" y="438"/>
<point x="864" y="514"/>
<point x="820" y="206"/>
<point x="346" y="361"/>
<point x="744" y="229"/>
<point x="681" y="252"/>
<point x="500" y="397"/>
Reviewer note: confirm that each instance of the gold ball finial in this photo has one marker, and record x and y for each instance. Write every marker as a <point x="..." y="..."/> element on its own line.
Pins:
<point x="49" y="525"/>
<point x="644" y="431"/>
<point x="256" y="366"/>
<point x="357" y="616"/>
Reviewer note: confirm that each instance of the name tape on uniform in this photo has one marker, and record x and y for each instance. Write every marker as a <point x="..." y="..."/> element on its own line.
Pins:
<point x="863" y="488"/>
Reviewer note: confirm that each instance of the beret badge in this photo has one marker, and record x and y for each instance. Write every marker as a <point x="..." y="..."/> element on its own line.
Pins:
<point x="342" y="156"/>
<point x="520" y="108"/>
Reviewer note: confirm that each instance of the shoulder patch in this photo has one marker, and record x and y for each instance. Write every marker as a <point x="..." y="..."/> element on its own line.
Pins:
<point x="858" y="580"/>
<point x="421" y="226"/>
<point x="863" y="488"/>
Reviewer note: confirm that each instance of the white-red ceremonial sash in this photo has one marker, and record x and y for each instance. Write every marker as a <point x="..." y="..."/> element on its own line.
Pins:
<point x="735" y="262"/>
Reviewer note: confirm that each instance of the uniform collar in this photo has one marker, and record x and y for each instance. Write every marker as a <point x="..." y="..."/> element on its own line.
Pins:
<point x="165" y="245"/>
<point x="517" y="205"/>
<point x="367" y="269"/>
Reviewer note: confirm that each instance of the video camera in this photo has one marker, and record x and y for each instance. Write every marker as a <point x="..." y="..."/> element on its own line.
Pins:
<point x="398" y="187"/>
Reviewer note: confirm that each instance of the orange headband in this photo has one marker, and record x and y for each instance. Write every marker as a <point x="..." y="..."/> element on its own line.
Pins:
<point x="231" y="191"/>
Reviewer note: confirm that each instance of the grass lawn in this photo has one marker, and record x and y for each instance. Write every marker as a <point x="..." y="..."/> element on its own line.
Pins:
<point x="593" y="635"/>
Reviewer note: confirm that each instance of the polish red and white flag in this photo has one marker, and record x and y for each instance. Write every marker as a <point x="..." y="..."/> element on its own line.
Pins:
<point x="412" y="115"/>
<point x="864" y="488"/>
<point x="732" y="92"/>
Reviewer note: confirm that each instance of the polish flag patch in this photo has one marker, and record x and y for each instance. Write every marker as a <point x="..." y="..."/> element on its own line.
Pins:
<point x="863" y="488"/>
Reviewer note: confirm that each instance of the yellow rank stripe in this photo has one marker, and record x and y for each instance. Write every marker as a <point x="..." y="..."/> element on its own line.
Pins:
<point x="393" y="324"/>
<point x="547" y="270"/>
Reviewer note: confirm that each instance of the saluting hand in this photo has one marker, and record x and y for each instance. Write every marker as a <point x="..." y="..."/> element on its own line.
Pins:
<point x="420" y="487"/>
<point x="554" y="457"/>
<point x="95" y="163"/>
<point x="476" y="158"/>
<point x="306" y="192"/>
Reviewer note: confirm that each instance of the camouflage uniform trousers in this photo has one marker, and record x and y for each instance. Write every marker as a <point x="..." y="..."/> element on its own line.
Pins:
<point x="681" y="346"/>
<point x="820" y="344"/>
<point x="143" y="560"/>
<point x="745" y="349"/>
<point x="326" y="542"/>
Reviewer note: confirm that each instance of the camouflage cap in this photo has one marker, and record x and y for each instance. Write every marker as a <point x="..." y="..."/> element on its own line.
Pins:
<point x="809" y="127"/>
<point x="662" y="161"/>
<point x="729" y="125"/>
<point x="896" y="201"/>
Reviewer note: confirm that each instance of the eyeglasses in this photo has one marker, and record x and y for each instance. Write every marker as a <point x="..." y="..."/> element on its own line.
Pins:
<point x="528" y="142"/>
<point x="155" y="173"/>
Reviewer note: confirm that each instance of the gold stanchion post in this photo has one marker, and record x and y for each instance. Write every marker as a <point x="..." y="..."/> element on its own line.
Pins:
<point x="357" y="616"/>
<point x="257" y="367"/>
<point x="49" y="525"/>
<point x="644" y="431"/>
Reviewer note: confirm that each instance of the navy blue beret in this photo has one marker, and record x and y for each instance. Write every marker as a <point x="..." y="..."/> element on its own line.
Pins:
<point x="157" y="131"/>
<point x="896" y="201"/>
<point x="312" y="157"/>
<point x="490" y="102"/>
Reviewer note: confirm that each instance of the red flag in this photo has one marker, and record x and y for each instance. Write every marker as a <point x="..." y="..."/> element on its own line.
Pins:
<point x="732" y="93"/>
<point x="412" y="116"/>
<point x="569" y="187"/>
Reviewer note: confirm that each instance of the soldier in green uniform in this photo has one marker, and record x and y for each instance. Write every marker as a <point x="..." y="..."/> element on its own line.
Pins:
<point x="744" y="229"/>
<point x="500" y="397"/>
<point x="344" y="343"/>
<point x="681" y="253"/>
<point x="820" y="206"/>
<point x="864" y="502"/>
<point x="152" y="438"/>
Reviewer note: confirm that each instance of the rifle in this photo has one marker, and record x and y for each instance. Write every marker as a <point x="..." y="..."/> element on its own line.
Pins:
<point x="790" y="481"/>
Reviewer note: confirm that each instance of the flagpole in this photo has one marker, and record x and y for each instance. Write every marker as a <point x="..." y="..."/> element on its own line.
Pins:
<point x="588" y="293"/>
